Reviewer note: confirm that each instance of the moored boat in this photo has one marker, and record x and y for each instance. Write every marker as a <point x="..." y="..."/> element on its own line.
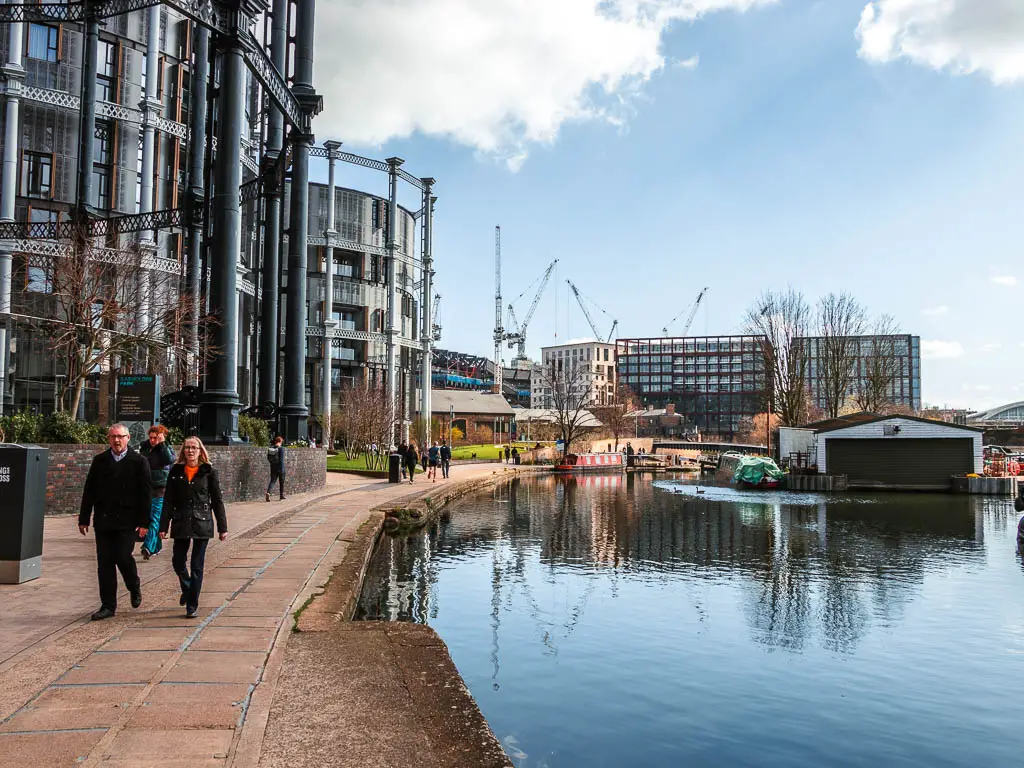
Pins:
<point x="589" y="462"/>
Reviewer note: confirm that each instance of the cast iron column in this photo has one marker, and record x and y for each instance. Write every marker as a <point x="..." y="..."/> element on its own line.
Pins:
<point x="14" y="75"/>
<point x="270" y="334"/>
<point x="329" y="324"/>
<point x="220" y="404"/>
<point x="427" y="331"/>
<point x="87" y="115"/>
<point x="293" y="409"/>
<point x="151" y="109"/>
<point x="394" y="317"/>
<point x="197" y="194"/>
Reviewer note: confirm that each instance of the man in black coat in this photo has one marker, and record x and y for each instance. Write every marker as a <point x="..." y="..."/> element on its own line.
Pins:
<point x="116" y="499"/>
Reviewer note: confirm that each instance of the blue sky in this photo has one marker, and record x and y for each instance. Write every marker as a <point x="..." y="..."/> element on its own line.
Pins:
<point x="744" y="150"/>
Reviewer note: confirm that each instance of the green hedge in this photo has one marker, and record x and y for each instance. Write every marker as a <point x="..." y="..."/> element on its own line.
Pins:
<point x="61" y="427"/>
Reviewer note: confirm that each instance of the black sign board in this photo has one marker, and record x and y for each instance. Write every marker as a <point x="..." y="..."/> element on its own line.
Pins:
<point x="138" y="398"/>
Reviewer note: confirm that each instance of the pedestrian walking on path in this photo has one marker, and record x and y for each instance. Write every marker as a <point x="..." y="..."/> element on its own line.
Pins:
<point x="434" y="460"/>
<point x="116" y="500"/>
<point x="160" y="457"/>
<point x="412" y="459"/>
<point x="275" y="456"/>
<point x="508" y="453"/>
<point x="446" y="459"/>
<point x="192" y="501"/>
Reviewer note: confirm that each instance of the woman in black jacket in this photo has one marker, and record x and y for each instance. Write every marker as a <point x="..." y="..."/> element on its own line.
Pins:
<point x="191" y="502"/>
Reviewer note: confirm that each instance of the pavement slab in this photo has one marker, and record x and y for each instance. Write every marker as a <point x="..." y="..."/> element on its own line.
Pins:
<point x="74" y="707"/>
<point x="192" y="706"/>
<point x="117" y="667"/>
<point x="48" y="747"/>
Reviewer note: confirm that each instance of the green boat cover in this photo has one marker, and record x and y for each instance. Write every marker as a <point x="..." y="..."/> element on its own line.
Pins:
<point x="754" y="469"/>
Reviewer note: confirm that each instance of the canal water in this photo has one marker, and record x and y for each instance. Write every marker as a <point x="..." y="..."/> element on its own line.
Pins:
<point x="620" y="621"/>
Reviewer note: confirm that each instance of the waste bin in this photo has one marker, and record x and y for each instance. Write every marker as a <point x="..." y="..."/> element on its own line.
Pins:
<point x="394" y="468"/>
<point x="22" y="506"/>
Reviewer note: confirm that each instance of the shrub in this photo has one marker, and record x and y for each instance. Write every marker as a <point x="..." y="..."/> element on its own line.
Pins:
<point x="175" y="436"/>
<point x="22" y="427"/>
<point x="62" y="427"/>
<point x="256" y="430"/>
<point x="59" y="427"/>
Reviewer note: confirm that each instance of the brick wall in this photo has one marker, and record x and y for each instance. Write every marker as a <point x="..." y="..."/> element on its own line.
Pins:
<point x="243" y="472"/>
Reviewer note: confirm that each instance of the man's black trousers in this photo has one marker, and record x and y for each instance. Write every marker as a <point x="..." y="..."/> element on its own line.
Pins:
<point x="113" y="554"/>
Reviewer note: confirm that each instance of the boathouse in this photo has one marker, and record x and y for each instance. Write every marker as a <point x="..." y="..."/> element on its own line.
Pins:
<point x="898" y="452"/>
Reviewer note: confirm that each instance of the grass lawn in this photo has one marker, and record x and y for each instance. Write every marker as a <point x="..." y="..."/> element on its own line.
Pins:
<point x="340" y="462"/>
<point x="485" y="452"/>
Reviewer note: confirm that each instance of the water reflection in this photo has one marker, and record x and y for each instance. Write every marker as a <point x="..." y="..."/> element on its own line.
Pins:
<point x="615" y="621"/>
<point x="807" y="565"/>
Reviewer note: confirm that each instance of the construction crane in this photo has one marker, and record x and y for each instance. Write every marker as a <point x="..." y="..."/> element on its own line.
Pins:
<point x="436" y="329"/>
<point x="586" y="313"/>
<point x="499" y="330"/>
<point x="689" y="319"/>
<point x="516" y="335"/>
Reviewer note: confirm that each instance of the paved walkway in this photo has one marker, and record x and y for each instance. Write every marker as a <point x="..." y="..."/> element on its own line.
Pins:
<point x="149" y="687"/>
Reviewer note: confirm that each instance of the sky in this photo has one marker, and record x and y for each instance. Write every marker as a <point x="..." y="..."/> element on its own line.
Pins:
<point x="655" y="147"/>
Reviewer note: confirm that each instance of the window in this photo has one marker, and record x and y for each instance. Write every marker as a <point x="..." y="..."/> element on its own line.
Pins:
<point x="42" y="216"/>
<point x="106" y="71"/>
<point x="37" y="280"/>
<point x="43" y="42"/>
<point x="102" y="161"/>
<point x="36" y="174"/>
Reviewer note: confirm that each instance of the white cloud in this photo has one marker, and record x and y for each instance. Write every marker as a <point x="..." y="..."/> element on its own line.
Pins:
<point x="964" y="36"/>
<point x="982" y="388"/>
<point x="941" y="350"/>
<point x="690" y="63"/>
<point x="991" y="347"/>
<point x="497" y="76"/>
<point x="1007" y="280"/>
<point x="933" y="311"/>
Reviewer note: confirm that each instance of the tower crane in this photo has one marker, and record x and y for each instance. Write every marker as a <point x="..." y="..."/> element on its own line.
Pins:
<point x="499" y="330"/>
<point x="516" y="335"/>
<point x="689" y="319"/>
<point x="436" y="329"/>
<point x="586" y="313"/>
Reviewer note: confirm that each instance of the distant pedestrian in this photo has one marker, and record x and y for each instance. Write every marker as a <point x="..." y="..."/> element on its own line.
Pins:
<point x="116" y="499"/>
<point x="515" y="455"/>
<point x="412" y="459"/>
<point x="508" y="453"/>
<point x="434" y="460"/>
<point x="192" y="501"/>
<point x="275" y="457"/>
<point x="402" y="449"/>
<point x="425" y="457"/>
<point x="446" y="459"/>
<point x="160" y="457"/>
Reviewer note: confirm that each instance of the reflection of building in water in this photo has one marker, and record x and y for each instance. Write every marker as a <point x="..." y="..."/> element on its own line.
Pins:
<point x="830" y="568"/>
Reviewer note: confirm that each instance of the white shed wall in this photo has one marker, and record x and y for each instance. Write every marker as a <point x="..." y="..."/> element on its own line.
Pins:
<point x="909" y="429"/>
<point x="795" y="440"/>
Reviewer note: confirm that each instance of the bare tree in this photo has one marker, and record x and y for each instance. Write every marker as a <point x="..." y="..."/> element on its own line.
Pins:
<point x="841" y="320"/>
<point x="382" y="417"/>
<point x="783" y="319"/>
<point x="365" y="419"/>
<point x="570" y="395"/>
<point x="615" y="416"/>
<point x="880" y="367"/>
<point x="98" y="315"/>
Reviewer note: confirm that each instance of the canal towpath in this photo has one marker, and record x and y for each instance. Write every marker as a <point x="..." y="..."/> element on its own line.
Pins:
<point x="150" y="687"/>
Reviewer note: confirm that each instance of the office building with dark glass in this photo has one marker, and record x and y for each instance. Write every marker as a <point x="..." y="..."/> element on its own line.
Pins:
<point x="714" y="381"/>
<point x="904" y="389"/>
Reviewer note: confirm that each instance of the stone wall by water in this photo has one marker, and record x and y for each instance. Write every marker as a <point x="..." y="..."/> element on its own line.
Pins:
<point x="243" y="472"/>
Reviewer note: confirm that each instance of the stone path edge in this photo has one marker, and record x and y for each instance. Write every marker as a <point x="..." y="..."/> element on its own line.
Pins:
<point x="329" y="599"/>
